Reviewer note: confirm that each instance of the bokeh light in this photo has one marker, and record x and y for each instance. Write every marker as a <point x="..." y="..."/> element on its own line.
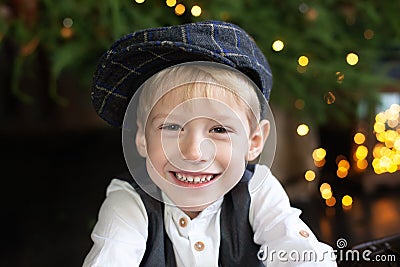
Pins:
<point x="196" y="11"/>
<point x="352" y="59"/>
<point x="379" y="127"/>
<point x="339" y="77"/>
<point x="362" y="164"/>
<point x="311" y="14"/>
<point x="342" y="172"/>
<point x="344" y="164"/>
<point x="303" y="61"/>
<point x="68" y="22"/>
<point x="361" y="152"/>
<point x="347" y="201"/>
<point x="386" y="153"/>
<point x="368" y="34"/>
<point x="303" y="8"/>
<point x="319" y="163"/>
<point x="330" y="202"/>
<point x="359" y="138"/>
<point x="319" y="157"/>
<point x="299" y="104"/>
<point x="278" y="45"/>
<point x="301" y="69"/>
<point x="330" y="98"/>
<point x="66" y="33"/>
<point x="170" y="3"/>
<point x="319" y="154"/>
<point x="309" y="175"/>
<point x="180" y="9"/>
<point x="326" y="191"/>
<point x="139" y="1"/>
<point x="303" y="129"/>
<point x="324" y="186"/>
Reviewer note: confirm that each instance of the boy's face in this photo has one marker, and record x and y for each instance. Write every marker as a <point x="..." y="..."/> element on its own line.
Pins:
<point x="196" y="149"/>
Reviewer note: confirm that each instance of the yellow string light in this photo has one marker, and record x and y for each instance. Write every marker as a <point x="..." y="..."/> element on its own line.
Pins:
<point x="309" y="175"/>
<point x="344" y="164"/>
<point x="326" y="194"/>
<point x="170" y="3"/>
<point x="319" y="154"/>
<point x="359" y="138"/>
<point x="303" y="61"/>
<point x="380" y="117"/>
<point x="324" y="186"/>
<point x="278" y="45"/>
<point x="361" y="152"/>
<point x="303" y="129"/>
<point x="180" y="9"/>
<point x="352" y="59"/>
<point x="386" y="153"/>
<point x="362" y="164"/>
<point x="319" y="163"/>
<point x="330" y="202"/>
<point x="196" y="11"/>
<point x="342" y="172"/>
<point x="347" y="200"/>
<point x="326" y="191"/>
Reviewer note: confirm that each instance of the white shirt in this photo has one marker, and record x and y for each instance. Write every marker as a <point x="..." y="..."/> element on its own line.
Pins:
<point x="121" y="231"/>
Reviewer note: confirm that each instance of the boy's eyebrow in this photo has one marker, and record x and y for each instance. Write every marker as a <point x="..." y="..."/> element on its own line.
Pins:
<point x="162" y="116"/>
<point x="216" y="117"/>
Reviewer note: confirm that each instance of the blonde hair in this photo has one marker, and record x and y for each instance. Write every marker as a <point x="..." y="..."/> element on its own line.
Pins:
<point x="199" y="80"/>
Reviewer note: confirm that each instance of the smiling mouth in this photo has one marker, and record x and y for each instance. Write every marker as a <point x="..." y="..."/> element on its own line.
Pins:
<point x="194" y="178"/>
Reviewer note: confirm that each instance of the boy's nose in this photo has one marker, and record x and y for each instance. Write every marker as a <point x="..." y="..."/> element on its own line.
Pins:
<point x="190" y="146"/>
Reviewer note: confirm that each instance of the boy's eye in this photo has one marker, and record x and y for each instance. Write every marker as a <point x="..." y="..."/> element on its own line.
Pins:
<point x="219" y="130"/>
<point x="171" y="127"/>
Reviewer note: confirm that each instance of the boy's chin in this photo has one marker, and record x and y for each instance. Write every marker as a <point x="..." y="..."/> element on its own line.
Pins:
<point x="195" y="208"/>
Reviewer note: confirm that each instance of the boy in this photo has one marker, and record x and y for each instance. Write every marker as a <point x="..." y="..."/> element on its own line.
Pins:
<point x="195" y="125"/>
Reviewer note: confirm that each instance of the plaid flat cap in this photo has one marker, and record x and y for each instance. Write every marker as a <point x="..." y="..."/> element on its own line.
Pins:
<point x="136" y="57"/>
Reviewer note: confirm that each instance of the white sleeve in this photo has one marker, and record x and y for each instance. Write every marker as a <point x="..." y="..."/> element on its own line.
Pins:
<point x="120" y="233"/>
<point x="284" y="238"/>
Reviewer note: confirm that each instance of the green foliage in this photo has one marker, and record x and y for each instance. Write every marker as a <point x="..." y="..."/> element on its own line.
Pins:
<point x="324" y="31"/>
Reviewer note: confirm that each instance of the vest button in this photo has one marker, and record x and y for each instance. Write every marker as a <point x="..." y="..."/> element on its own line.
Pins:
<point x="199" y="246"/>
<point x="183" y="222"/>
<point x="304" y="233"/>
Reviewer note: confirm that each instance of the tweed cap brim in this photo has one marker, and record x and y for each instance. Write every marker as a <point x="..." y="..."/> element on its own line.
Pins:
<point x="137" y="56"/>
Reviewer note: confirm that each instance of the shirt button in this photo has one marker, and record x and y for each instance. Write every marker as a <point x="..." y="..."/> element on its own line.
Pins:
<point x="183" y="222"/>
<point x="304" y="233"/>
<point x="199" y="246"/>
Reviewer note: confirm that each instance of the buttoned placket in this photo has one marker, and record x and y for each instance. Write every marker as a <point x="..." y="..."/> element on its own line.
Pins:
<point x="201" y="235"/>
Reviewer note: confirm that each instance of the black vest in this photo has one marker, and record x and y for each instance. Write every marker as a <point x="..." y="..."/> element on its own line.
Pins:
<point x="237" y="247"/>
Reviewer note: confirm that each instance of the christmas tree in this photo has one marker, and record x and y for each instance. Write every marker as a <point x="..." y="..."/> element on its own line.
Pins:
<point x="326" y="56"/>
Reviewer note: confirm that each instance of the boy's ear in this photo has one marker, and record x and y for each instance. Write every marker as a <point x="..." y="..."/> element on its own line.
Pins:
<point x="141" y="141"/>
<point x="257" y="140"/>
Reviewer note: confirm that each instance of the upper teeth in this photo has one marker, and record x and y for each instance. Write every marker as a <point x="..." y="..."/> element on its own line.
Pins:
<point x="194" y="179"/>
